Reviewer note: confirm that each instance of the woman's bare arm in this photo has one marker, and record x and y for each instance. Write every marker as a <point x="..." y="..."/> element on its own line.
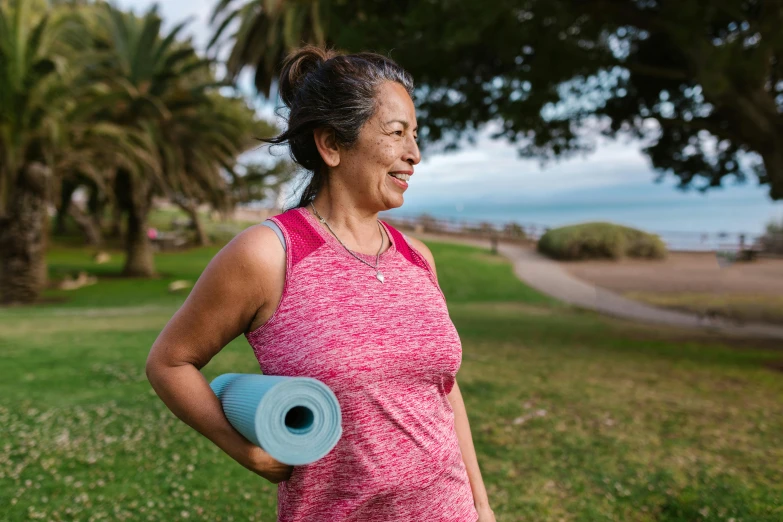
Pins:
<point x="462" y="427"/>
<point x="220" y="307"/>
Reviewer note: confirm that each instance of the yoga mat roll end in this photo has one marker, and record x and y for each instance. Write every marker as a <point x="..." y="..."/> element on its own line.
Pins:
<point x="297" y="420"/>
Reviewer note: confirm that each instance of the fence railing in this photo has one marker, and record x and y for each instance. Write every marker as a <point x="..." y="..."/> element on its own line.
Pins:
<point x="513" y="232"/>
<point x="735" y="242"/>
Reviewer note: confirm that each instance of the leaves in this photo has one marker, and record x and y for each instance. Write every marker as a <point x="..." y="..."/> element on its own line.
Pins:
<point x="547" y="71"/>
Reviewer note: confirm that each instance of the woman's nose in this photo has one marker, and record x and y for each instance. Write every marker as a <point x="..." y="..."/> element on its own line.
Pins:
<point x="412" y="154"/>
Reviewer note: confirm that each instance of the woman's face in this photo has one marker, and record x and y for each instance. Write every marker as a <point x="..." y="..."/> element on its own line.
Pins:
<point x="386" y="145"/>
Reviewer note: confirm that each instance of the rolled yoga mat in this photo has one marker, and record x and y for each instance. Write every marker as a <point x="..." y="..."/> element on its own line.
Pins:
<point x="296" y="420"/>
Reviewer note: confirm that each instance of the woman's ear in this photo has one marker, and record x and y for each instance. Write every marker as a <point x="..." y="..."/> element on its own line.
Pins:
<point x="327" y="146"/>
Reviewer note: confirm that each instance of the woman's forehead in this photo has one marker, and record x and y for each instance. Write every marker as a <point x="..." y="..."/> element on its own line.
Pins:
<point x="395" y="104"/>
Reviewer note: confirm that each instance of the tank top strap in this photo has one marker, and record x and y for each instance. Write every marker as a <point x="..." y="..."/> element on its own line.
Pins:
<point x="301" y="240"/>
<point x="404" y="248"/>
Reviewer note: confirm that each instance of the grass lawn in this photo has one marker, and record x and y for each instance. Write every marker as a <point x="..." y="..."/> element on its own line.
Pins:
<point x="574" y="416"/>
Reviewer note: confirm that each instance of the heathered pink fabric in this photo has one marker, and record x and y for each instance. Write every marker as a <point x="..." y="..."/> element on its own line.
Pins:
<point x="390" y="353"/>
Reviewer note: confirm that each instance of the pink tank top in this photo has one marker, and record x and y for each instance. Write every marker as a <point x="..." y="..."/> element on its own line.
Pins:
<point x="390" y="354"/>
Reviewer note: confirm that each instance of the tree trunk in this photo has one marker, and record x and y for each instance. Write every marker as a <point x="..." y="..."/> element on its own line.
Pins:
<point x="139" y="260"/>
<point x="66" y="193"/>
<point x="42" y="268"/>
<point x="96" y="206"/>
<point x="773" y="167"/>
<point x="116" y="220"/>
<point x="201" y="234"/>
<point x="87" y="225"/>
<point x="22" y="238"/>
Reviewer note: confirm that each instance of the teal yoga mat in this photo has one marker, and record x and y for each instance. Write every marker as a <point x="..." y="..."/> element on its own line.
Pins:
<point x="296" y="420"/>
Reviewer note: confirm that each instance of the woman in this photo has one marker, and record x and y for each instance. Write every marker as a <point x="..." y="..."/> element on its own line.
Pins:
<point x="345" y="298"/>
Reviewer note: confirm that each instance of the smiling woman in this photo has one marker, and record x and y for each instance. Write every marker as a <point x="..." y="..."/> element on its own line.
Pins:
<point x="345" y="299"/>
<point x="352" y="123"/>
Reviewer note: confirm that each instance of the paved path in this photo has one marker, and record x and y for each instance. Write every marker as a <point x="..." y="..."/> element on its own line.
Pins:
<point x="548" y="277"/>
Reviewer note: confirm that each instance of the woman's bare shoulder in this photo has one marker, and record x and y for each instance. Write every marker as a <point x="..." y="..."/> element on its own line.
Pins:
<point x="248" y="269"/>
<point x="256" y="252"/>
<point x="239" y="280"/>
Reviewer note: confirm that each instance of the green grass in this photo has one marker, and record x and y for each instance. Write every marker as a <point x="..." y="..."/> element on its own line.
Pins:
<point x="574" y="416"/>
<point x="116" y="291"/>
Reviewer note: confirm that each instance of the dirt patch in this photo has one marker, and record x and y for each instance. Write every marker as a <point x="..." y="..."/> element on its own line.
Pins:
<point x="776" y="365"/>
<point x="697" y="272"/>
<point x="739" y="308"/>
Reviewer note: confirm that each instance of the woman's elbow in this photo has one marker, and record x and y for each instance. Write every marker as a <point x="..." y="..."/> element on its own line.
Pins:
<point x="158" y="365"/>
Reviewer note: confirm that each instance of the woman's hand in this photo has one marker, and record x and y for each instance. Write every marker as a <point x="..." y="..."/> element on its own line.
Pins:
<point x="485" y="514"/>
<point x="261" y="463"/>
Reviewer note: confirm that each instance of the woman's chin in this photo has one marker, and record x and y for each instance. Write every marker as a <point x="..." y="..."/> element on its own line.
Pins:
<point x="391" y="203"/>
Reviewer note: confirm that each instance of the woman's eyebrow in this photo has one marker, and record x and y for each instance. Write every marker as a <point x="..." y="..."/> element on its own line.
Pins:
<point x="405" y="124"/>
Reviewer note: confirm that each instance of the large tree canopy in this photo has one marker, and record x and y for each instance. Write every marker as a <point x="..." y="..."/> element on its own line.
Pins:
<point x="699" y="82"/>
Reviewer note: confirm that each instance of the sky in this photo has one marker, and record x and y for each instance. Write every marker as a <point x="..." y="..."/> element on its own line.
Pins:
<point x="489" y="181"/>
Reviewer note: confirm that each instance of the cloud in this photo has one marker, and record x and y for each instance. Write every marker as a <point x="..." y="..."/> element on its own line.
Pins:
<point x="493" y="168"/>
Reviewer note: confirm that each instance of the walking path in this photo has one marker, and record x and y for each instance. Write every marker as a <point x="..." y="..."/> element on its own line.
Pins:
<point x="549" y="278"/>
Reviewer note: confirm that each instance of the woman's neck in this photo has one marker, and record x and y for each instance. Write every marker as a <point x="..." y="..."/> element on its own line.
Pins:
<point x="357" y="229"/>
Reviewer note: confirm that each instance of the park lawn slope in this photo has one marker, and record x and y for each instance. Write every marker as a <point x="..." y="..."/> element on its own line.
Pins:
<point x="574" y="416"/>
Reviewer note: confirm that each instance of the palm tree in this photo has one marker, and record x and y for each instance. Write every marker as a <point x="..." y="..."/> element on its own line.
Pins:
<point x="200" y="150"/>
<point x="143" y="76"/>
<point x="91" y="154"/>
<point x="268" y="30"/>
<point x="34" y="71"/>
<point x="260" y="182"/>
<point x="159" y="84"/>
<point x="116" y="106"/>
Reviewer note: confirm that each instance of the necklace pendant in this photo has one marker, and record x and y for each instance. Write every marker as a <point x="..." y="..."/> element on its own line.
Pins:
<point x="379" y="276"/>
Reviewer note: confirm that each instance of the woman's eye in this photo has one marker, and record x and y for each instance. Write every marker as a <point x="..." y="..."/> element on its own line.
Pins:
<point x="399" y="132"/>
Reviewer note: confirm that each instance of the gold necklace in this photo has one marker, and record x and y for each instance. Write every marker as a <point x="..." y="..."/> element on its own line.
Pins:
<point x="378" y="274"/>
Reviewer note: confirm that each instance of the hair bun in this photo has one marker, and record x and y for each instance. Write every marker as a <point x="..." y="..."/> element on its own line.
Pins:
<point x="298" y="64"/>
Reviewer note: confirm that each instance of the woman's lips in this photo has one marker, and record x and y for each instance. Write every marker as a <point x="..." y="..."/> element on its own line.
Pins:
<point x="399" y="182"/>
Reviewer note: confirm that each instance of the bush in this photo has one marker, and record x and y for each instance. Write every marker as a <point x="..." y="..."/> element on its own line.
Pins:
<point x="600" y="240"/>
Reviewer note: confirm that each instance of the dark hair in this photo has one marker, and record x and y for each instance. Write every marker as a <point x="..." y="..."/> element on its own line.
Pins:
<point x="323" y="88"/>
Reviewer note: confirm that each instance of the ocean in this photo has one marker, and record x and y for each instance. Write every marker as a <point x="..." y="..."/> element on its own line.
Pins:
<point x="683" y="225"/>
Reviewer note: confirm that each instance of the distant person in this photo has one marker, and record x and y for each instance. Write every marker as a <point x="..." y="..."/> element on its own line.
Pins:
<point x="327" y="290"/>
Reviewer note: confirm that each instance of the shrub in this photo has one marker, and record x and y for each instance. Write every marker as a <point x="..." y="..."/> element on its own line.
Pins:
<point x="600" y="240"/>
